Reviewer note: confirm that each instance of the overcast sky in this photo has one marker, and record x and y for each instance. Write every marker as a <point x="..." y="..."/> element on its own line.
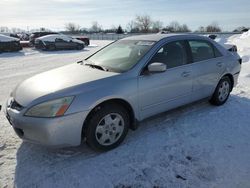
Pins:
<point x="53" y="14"/>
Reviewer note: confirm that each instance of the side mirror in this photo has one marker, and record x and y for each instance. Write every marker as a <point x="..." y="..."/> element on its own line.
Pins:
<point x="157" y="67"/>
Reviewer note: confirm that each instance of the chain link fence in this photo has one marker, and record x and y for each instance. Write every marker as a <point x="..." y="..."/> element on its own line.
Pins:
<point x="114" y="36"/>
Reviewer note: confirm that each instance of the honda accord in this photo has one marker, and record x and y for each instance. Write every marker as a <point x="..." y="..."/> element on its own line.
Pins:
<point x="103" y="96"/>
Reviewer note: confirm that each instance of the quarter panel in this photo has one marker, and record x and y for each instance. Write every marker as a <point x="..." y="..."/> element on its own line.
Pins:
<point x="206" y="76"/>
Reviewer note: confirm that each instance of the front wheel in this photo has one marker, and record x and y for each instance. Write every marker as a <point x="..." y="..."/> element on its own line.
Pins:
<point x="107" y="127"/>
<point x="80" y="47"/>
<point x="51" y="47"/>
<point x="222" y="92"/>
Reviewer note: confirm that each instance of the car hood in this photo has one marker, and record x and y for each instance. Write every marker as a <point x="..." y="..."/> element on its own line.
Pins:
<point x="78" y="41"/>
<point x="56" y="80"/>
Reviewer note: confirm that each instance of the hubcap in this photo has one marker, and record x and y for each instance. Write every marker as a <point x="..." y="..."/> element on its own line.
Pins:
<point x="224" y="91"/>
<point x="109" y="129"/>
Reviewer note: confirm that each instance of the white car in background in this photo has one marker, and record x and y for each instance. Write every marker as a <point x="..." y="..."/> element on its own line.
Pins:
<point x="58" y="42"/>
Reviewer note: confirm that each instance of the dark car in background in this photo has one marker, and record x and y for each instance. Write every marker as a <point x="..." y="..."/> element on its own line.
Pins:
<point x="35" y="35"/>
<point x="84" y="39"/>
<point x="58" y="42"/>
<point x="9" y="44"/>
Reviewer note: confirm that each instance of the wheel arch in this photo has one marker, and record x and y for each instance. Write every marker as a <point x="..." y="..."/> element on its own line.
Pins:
<point x="230" y="76"/>
<point x="122" y="102"/>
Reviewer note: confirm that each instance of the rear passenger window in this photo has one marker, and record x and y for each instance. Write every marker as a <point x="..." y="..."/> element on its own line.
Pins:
<point x="217" y="53"/>
<point x="172" y="54"/>
<point x="201" y="50"/>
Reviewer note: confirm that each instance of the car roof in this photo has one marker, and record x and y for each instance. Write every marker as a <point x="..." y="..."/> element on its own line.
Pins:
<point x="41" y="32"/>
<point x="158" y="37"/>
<point x="53" y="37"/>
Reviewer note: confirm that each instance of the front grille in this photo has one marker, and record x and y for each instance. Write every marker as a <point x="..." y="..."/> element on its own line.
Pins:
<point x="16" y="106"/>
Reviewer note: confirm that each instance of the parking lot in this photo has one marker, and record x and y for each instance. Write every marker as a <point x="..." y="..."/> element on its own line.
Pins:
<point x="198" y="145"/>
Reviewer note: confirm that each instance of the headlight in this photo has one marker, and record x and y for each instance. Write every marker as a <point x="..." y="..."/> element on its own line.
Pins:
<point x="52" y="108"/>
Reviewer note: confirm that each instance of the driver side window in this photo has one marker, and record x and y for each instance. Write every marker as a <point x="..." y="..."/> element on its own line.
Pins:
<point x="172" y="54"/>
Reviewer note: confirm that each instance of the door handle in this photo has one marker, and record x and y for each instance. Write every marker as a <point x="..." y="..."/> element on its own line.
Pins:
<point x="185" y="74"/>
<point x="219" y="64"/>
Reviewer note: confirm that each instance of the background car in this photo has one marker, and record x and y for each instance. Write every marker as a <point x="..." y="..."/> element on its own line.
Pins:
<point x="9" y="44"/>
<point x="35" y="35"/>
<point x="58" y="42"/>
<point x="84" y="39"/>
<point x="23" y="36"/>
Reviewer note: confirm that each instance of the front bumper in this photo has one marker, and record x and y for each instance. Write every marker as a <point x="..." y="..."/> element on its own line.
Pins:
<point x="55" y="132"/>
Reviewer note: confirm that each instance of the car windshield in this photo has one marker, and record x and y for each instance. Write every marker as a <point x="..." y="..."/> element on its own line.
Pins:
<point x="121" y="55"/>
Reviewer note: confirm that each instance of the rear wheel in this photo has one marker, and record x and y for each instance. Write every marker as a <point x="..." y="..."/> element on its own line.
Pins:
<point x="107" y="127"/>
<point x="222" y="92"/>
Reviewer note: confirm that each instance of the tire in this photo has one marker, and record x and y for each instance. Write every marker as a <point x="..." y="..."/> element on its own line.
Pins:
<point x="80" y="47"/>
<point x="222" y="91"/>
<point x="107" y="127"/>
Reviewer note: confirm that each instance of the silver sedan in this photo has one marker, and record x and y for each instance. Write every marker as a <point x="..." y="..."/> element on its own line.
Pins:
<point x="100" y="98"/>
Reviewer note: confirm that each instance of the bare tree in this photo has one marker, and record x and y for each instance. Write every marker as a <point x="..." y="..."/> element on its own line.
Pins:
<point x="72" y="27"/>
<point x="201" y="29"/>
<point x="132" y="27"/>
<point x="175" y="27"/>
<point x="213" y="27"/>
<point x="4" y="29"/>
<point x="96" y="27"/>
<point x="16" y="30"/>
<point x="157" y="26"/>
<point x="184" y="28"/>
<point x="143" y="22"/>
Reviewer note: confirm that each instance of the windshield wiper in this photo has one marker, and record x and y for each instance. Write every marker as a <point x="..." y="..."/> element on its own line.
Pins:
<point x="93" y="65"/>
<point x="96" y="66"/>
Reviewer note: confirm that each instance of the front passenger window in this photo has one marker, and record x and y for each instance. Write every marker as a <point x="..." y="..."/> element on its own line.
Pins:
<point x="172" y="54"/>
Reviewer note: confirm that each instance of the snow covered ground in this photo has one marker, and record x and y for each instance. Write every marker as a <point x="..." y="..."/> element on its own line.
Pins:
<point x="198" y="145"/>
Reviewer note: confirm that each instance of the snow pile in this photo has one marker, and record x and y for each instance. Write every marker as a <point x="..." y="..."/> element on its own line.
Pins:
<point x="243" y="44"/>
<point x="242" y="41"/>
<point x="245" y="35"/>
<point x="4" y="38"/>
